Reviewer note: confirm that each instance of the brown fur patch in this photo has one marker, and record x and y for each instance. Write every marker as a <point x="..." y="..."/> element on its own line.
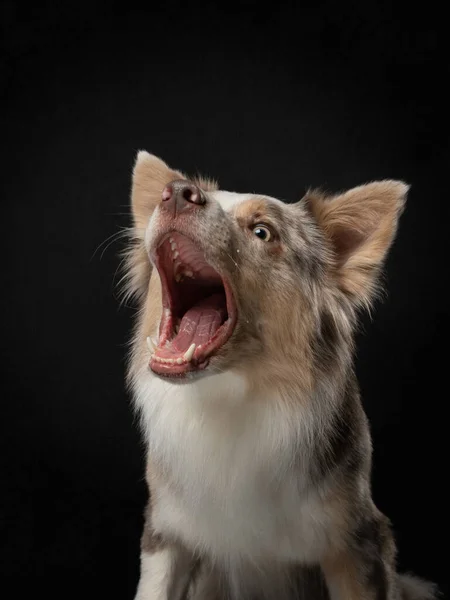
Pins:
<point x="342" y="576"/>
<point x="259" y="210"/>
<point x="365" y="566"/>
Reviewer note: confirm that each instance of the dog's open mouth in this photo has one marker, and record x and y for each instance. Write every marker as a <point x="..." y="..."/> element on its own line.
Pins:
<point x="199" y="311"/>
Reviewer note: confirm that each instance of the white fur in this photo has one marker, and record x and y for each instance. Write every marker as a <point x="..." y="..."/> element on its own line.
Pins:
<point x="231" y="492"/>
<point x="228" y="200"/>
<point x="165" y="575"/>
<point x="156" y="573"/>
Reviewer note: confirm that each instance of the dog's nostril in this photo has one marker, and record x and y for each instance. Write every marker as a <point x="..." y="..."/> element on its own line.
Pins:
<point x="167" y="193"/>
<point x="192" y="194"/>
<point x="189" y="195"/>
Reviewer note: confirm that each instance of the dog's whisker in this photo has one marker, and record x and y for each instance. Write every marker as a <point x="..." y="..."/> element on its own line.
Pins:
<point x="110" y="240"/>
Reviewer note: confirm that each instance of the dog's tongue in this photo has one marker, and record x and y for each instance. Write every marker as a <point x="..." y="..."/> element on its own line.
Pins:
<point x="200" y="323"/>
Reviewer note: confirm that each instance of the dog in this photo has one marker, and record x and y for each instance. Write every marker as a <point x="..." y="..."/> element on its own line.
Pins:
<point x="241" y="368"/>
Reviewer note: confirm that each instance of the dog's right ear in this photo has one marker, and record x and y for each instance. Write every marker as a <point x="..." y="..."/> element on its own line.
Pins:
<point x="360" y="225"/>
<point x="150" y="176"/>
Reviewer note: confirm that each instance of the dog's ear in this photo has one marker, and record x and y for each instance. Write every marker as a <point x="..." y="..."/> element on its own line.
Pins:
<point x="361" y="225"/>
<point x="150" y="176"/>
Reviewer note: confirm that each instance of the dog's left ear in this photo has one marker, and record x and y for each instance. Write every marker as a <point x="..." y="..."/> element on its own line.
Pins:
<point x="361" y="225"/>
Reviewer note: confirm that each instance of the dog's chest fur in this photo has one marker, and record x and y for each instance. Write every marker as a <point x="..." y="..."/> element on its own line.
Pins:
<point x="230" y="481"/>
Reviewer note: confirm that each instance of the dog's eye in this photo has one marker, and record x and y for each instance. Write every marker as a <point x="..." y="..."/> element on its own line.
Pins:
<point x="262" y="232"/>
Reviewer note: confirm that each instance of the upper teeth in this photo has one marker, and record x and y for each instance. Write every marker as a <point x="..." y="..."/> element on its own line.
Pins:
<point x="151" y="344"/>
<point x="178" y="267"/>
<point x="174" y="248"/>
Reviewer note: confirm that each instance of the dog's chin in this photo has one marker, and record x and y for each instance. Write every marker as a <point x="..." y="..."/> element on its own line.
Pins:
<point x="199" y="312"/>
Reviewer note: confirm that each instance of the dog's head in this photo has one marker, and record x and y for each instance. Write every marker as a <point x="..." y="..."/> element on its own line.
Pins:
<point x="247" y="282"/>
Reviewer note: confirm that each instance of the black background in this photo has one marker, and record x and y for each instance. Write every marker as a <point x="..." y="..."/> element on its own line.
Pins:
<point x="269" y="99"/>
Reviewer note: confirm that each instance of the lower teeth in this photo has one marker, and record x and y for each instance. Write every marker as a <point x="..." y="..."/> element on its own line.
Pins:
<point x="187" y="357"/>
<point x="173" y="361"/>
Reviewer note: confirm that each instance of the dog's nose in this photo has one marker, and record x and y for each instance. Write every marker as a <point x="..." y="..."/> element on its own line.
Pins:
<point x="181" y="195"/>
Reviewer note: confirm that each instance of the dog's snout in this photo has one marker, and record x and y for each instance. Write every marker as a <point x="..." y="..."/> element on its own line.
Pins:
<point x="181" y="195"/>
